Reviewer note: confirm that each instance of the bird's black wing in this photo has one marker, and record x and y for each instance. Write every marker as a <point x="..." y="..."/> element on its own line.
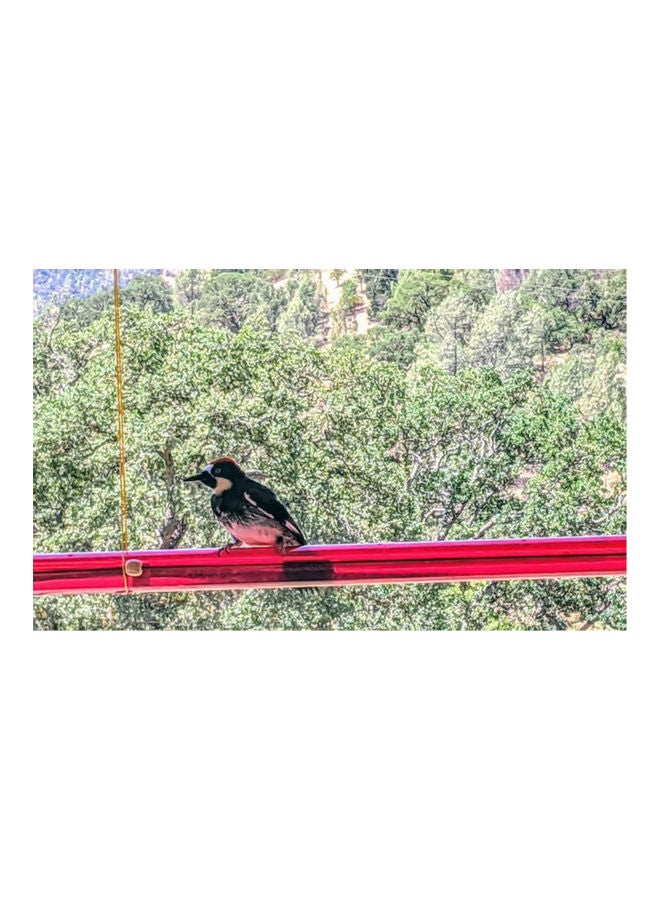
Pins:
<point x="262" y="498"/>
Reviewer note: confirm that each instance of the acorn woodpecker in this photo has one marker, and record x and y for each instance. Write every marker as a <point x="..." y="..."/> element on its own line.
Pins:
<point x="249" y="511"/>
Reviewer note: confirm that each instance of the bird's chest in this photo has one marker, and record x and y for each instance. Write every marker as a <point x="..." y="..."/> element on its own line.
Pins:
<point x="243" y="521"/>
<point x="226" y="507"/>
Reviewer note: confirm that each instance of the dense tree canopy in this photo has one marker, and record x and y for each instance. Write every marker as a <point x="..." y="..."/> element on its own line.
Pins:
<point x="460" y="414"/>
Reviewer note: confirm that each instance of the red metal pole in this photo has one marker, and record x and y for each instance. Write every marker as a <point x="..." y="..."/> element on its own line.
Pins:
<point x="329" y="565"/>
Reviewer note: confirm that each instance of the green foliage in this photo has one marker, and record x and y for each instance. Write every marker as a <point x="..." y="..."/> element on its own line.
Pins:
<point x="229" y="298"/>
<point x="552" y="287"/>
<point x="148" y="292"/>
<point x="581" y="299"/>
<point x="501" y="337"/>
<point x="143" y="292"/>
<point x="349" y="294"/>
<point x="378" y="285"/>
<point x="302" y="312"/>
<point x="416" y="292"/>
<point x="553" y="312"/>
<point x="389" y="344"/>
<point x="189" y="286"/>
<point x="595" y="377"/>
<point x="442" y="427"/>
<point x="602" y="299"/>
<point x="447" y="333"/>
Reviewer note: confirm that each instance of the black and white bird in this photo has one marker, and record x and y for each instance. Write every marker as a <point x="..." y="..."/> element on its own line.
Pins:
<point x="250" y="511"/>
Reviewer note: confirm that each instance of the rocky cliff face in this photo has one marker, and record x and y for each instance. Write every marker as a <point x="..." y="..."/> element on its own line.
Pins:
<point x="510" y="279"/>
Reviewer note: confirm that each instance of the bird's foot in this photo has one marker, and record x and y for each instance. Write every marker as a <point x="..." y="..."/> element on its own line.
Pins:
<point x="232" y="545"/>
<point x="283" y="546"/>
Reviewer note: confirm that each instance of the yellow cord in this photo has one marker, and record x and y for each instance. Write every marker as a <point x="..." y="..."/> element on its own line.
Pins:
<point x="120" y="431"/>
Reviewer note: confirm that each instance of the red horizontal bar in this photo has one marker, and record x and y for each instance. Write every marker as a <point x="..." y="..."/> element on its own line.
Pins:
<point x="331" y="565"/>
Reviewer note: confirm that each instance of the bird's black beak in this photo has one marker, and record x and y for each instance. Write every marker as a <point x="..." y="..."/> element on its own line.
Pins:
<point x="204" y="477"/>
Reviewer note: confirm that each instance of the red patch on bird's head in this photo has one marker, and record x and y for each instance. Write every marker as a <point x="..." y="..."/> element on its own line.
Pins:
<point x="224" y="459"/>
